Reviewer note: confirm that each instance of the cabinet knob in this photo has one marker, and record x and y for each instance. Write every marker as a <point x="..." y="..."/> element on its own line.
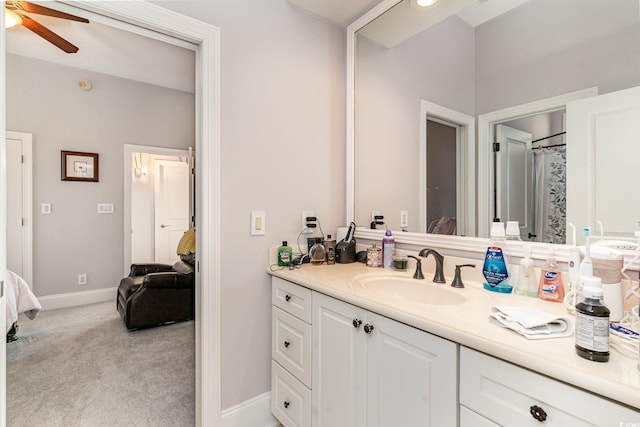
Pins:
<point x="368" y="328"/>
<point x="287" y="344"/>
<point x="357" y="323"/>
<point x="538" y="413"/>
<point x="286" y="404"/>
<point x="287" y="298"/>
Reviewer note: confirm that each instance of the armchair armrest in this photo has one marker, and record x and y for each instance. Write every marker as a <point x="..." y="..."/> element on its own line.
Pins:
<point x="168" y="280"/>
<point x="144" y="269"/>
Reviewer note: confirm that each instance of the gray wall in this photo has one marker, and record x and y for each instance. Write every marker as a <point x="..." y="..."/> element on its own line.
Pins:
<point x="44" y="99"/>
<point x="389" y="86"/>
<point x="283" y="127"/>
<point x="549" y="47"/>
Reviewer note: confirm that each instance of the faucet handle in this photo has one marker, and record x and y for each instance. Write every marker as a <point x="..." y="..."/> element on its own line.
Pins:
<point x="457" y="280"/>
<point x="418" y="274"/>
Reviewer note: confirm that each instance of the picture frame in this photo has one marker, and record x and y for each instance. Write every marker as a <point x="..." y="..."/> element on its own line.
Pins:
<point x="79" y="166"/>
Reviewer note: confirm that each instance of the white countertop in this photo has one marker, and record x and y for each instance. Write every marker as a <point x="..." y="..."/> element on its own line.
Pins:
<point x="468" y="324"/>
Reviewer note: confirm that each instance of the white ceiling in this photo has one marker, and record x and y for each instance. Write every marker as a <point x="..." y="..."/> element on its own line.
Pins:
<point x="406" y="19"/>
<point x="109" y="50"/>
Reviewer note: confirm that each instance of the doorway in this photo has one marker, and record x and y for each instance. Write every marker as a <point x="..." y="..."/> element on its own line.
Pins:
<point x="443" y="119"/>
<point x="206" y="39"/>
<point x="158" y="202"/>
<point x="442" y="177"/>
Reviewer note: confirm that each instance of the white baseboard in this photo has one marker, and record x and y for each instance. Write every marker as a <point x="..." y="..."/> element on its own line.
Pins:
<point x="72" y="299"/>
<point x="254" y="412"/>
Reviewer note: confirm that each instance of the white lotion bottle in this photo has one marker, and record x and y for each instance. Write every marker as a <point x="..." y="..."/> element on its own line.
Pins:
<point x="527" y="284"/>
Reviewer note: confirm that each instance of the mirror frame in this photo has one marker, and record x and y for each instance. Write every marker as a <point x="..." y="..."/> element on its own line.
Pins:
<point x="456" y="244"/>
<point x="472" y="244"/>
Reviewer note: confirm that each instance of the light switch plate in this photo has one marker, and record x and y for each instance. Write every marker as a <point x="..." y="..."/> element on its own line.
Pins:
<point x="404" y="219"/>
<point x="258" y="223"/>
<point x="45" y="208"/>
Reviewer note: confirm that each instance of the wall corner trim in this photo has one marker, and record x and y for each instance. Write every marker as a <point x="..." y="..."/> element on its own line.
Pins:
<point x="253" y="412"/>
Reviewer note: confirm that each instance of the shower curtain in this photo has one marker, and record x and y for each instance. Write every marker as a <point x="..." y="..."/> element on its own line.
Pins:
<point x="551" y="194"/>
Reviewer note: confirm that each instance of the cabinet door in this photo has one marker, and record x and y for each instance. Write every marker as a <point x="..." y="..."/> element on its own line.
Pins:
<point x="412" y="377"/>
<point x="339" y="366"/>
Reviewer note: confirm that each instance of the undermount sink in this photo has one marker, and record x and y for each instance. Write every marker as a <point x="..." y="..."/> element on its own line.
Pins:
<point x="411" y="290"/>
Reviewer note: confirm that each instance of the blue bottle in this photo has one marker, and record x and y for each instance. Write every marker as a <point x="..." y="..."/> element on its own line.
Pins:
<point x="495" y="269"/>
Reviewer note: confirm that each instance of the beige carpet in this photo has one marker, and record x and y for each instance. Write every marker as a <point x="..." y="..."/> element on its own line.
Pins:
<point x="81" y="367"/>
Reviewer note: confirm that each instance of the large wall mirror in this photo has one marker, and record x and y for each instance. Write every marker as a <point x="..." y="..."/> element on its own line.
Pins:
<point x="431" y="88"/>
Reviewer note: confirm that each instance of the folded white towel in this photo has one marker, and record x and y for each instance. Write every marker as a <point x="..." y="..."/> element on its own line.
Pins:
<point x="531" y="322"/>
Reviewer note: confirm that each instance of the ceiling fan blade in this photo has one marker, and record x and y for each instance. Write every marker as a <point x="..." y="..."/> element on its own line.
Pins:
<point x="41" y="10"/>
<point x="48" y="35"/>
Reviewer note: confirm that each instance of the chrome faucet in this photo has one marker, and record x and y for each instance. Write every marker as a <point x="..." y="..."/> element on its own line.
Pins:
<point x="438" y="277"/>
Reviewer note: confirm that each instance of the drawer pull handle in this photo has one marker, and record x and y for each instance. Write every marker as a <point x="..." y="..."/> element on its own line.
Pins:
<point x="357" y="323"/>
<point x="287" y="298"/>
<point x="287" y="344"/>
<point x="368" y="328"/>
<point x="538" y="413"/>
<point x="286" y="404"/>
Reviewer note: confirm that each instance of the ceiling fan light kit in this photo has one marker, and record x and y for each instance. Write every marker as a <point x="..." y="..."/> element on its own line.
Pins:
<point x="21" y="9"/>
<point x="11" y="19"/>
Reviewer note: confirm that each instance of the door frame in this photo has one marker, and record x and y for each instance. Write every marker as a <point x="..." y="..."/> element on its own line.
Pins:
<point x="129" y="149"/>
<point x="206" y="38"/>
<point x="465" y="166"/>
<point x="486" y="136"/>
<point x="27" y="203"/>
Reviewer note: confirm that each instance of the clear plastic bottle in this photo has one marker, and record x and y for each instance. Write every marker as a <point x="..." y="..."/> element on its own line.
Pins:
<point x="526" y="284"/>
<point x="330" y="249"/>
<point x="388" y="249"/>
<point x="592" y="323"/>
<point x="285" y="254"/>
<point x="317" y="254"/>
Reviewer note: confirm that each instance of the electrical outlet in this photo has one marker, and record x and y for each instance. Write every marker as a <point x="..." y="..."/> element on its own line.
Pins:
<point x="82" y="279"/>
<point x="303" y="217"/>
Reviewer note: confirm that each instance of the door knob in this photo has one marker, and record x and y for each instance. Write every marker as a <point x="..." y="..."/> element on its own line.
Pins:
<point x="163" y="225"/>
<point x="287" y="344"/>
<point x="287" y="298"/>
<point x="538" y="413"/>
<point x="357" y="323"/>
<point x="368" y="328"/>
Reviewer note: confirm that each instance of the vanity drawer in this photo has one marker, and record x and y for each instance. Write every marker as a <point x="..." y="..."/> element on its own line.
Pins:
<point x="290" y="399"/>
<point x="505" y="393"/>
<point x="291" y="344"/>
<point x="292" y="298"/>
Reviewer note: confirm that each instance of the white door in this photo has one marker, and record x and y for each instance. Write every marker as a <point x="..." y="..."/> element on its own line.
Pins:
<point x="19" y="204"/>
<point x="602" y="152"/>
<point x="514" y="178"/>
<point x="412" y="377"/>
<point x="171" y="189"/>
<point x="339" y="364"/>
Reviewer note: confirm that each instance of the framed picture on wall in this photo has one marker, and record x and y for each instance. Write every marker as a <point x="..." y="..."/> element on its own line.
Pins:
<point x="77" y="166"/>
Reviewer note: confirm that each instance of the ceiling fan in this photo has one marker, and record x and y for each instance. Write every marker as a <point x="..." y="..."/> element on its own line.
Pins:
<point x="19" y="10"/>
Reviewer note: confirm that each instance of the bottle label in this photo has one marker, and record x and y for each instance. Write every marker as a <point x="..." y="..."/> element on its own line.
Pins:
<point x="551" y="285"/>
<point x="592" y="333"/>
<point x="495" y="267"/>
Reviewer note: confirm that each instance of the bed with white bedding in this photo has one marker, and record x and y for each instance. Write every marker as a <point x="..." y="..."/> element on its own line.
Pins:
<point x="19" y="299"/>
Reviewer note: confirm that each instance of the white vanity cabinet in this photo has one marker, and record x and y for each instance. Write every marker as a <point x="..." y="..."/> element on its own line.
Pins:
<point x="372" y="371"/>
<point x="291" y="353"/>
<point x="497" y="393"/>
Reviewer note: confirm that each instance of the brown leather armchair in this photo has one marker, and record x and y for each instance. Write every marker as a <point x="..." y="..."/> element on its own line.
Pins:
<point x="156" y="294"/>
